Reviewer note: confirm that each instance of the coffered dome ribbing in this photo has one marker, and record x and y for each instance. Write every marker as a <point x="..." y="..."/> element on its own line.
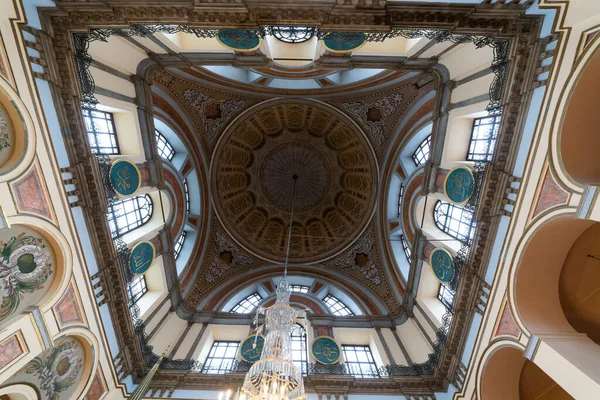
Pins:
<point x="252" y="180"/>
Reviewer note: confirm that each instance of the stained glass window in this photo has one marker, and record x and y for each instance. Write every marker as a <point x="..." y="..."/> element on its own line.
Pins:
<point x="483" y="138"/>
<point x="221" y="357"/>
<point x="454" y="220"/>
<point x="100" y="127"/>
<point x="293" y="34"/>
<point x="247" y="305"/>
<point x="126" y="215"/>
<point x="165" y="150"/>
<point x="336" y="306"/>
<point x="359" y="360"/>
<point x="421" y="155"/>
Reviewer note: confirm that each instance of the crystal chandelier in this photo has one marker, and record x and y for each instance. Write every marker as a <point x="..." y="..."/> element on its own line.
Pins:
<point x="274" y="376"/>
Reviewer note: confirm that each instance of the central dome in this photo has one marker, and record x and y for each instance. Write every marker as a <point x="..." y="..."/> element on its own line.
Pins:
<point x="280" y="144"/>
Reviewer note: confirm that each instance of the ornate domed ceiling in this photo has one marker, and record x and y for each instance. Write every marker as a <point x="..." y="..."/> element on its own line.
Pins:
<point x="280" y="144"/>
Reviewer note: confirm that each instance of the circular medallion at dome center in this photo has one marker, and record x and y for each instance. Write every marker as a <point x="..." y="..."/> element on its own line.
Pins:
<point x="280" y="144"/>
<point x="295" y="173"/>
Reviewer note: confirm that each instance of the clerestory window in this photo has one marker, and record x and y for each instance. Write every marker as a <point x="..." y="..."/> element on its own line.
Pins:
<point x="359" y="361"/>
<point x="336" y="306"/>
<point x="165" y="150"/>
<point x="128" y="214"/>
<point x="483" y="138"/>
<point x="100" y="127"/>
<point x="221" y="357"/>
<point x="421" y="155"/>
<point x="454" y="220"/>
<point x="247" y="305"/>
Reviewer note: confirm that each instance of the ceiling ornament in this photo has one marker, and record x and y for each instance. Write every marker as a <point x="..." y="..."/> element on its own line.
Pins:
<point x="215" y="113"/>
<point x="228" y="255"/>
<point x="359" y="259"/>
<point x="373" y="115"/>
<point x="336" y="180"/>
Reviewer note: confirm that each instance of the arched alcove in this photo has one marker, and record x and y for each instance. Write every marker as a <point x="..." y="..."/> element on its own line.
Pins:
<point x="19" y="392"/>
<point x="579" y="284"/>
<point x="538" y="283"/>
<point x="17" y="141"/>
<point x="509" y="375"/>
<point x="579" y="139"/>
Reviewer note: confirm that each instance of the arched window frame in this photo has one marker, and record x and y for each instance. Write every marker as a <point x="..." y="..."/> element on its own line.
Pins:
<point x="406" y="248"/>
<point x="187" y="195"/>
<point x="179" y="244"/>
<point x="299" y="348"/>
<point x="421" y="154"/>
<point x="337" y="307"/>
<point x="400" y="196"/>
<point x="248" y="304"/>
<point x="293" y="34"/>
<point x="165" y="149"/>
<point x="454" y="220"/>
<point x="128" y="214"/>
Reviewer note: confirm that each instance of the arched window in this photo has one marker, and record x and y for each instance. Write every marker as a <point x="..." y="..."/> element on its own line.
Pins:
<point x="336" y="306"/>
<point x="454" y="220"/>
<point x="126" y="215"/>
<point x="247" y="305"/>
<point x="405" y="247"/>
<point x="179" y="244"/>
<point x="187" y="195"/>
<point x="421" y="154"/>
<point x="299" y="357"/>
<point x="293" y="34"/>
<point x="400" y="196"/>
<point x="483" y="138"/>
<point x="165" y="150"/>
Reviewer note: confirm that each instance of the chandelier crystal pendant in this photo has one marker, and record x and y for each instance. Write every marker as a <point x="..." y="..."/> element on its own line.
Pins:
<point x="274" y="376"/>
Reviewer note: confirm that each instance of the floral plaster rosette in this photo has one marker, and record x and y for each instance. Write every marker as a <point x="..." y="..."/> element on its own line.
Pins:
<point x="25" y="265"/>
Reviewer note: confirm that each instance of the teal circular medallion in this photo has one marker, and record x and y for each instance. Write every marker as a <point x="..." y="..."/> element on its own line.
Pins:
<point x="459" y="185"/>
<point x="325" y="350"/>
<point x="342" y="42"/>
<point x="251" y="348"/>
<point x="141" y="257"/>
<point x="442" y="263"/>
<point x="125" y="178"/>
<point x="238" y="39"/>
